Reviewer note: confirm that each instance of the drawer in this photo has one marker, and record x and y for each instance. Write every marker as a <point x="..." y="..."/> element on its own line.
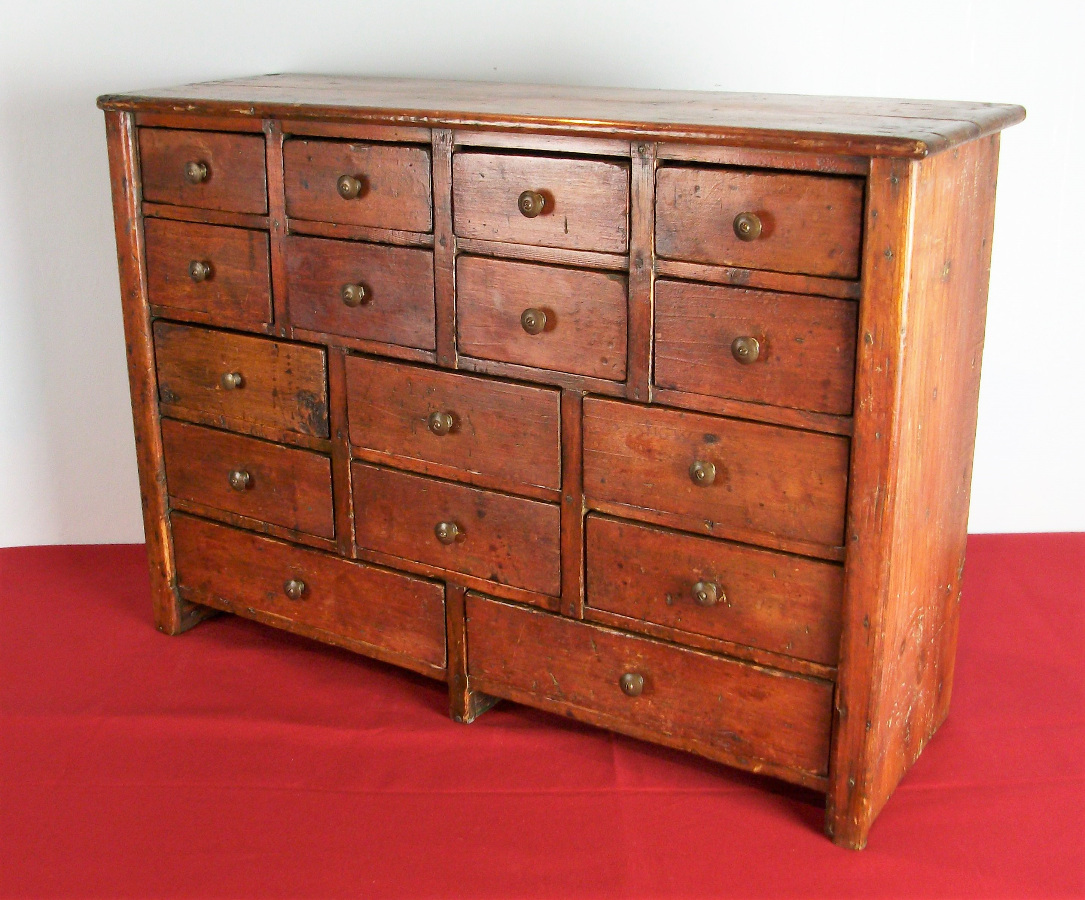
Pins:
<point x="221" y="273"/>
<point x="503" y="539"/>
<point x="263" y="481"/>
<point x="376" y="185"/>
<point x="367" y="291"/>
<point x="783" y="349"/>
<point x="686" y="698"/>
<point x="581" y="314"/>
<point x="204" y="169"/>
<point x="508" y="432"/>
<point x="584" y="202"/>
<point x="366" y="607"/>
<point x="807" y="224"/>
<point x="716" y="472"/>
<point x="239" y="381"/>
<point x="774" y="601"/>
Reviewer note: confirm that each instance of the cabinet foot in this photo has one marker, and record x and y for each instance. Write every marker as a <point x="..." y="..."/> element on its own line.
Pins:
<point x="466" y="706"/>
<point x="179" y="616"/>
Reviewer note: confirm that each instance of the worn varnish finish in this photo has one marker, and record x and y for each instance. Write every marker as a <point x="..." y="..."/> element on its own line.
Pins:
<point x="751" y="552"/>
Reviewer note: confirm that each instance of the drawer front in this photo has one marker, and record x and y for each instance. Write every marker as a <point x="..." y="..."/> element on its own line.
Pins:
<point x="367" y="291"/>
<point x="222" y="273"/>
<point x="509" y="432"/>
<point x="744" y="710"/>
<point x="808" y="224"/>
<point x="759" y="478"/>
<point x="585" y="202"/>
<point x="783" y="349"/>
<point x="396" y="613"/>
<point x="504" y="539"/>
<point x="394" y="184"/>
<point x="583" y="316"/>
<point x="774" y="601"/>
<point x="242" y="380"/>
<point x="263" y="481"/>
<point x="204" y="169"/>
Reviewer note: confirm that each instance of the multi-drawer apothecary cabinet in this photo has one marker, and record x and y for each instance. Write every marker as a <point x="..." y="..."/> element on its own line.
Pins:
<point x="652" y="409"/>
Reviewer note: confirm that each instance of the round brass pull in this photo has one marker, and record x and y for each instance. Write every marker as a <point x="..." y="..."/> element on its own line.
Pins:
<point x="747" y="226"/>
<point x="440" y="423"/>
<point x="702" y="473"/>
<point x="746" y="349"/>
<point x="199" y="271"/>
<point x="196" y="172"/>
<point x="531" y="203"/>
<point x="348" y="186"/>
<point x="632" y="684"/>
<point x="294" y="588"/>
<point x="239" y="479"/>
<point x="355" y="295"/>
<point x="231" y="381"/>
<point x="448" y="532"/>
<point x="706" y="593"/>
<point x="533" y="321"/>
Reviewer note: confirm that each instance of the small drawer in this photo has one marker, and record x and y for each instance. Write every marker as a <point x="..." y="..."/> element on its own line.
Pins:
<point x="806" y="224"/>
<point x="773" y="601"/>
<point x="239" y="381"/>
<point x="368" y="291"/>
<point x="547" y="317"/>
<point x="503" y="539"/>
<point x="782" y="349"/>
<point x="743" y="477"/>
<point x="268" y="482"/>
<point x="204" y="169"/>
<point x="366" y="608"/>
<point x="574" y="204"/>
<point x="683" y="697"/>
<point x="376" y="185"/>
<point x="220" y="273"/>
<point x="507" y="432"/>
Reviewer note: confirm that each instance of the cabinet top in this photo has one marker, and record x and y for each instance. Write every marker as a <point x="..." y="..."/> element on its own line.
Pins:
<point x="839" y="125"/>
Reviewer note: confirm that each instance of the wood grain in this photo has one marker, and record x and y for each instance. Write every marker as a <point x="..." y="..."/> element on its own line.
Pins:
<point x="641" y="272"/>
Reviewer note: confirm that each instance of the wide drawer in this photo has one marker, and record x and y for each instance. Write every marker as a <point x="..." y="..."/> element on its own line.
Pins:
<point x="782" y="222"/>
<point x="397" y="617"/>
<point x="507" y="540"/>
<point x="548" y="317"/>
<point x="575" y="204"/>
<point x="268" y="482"/>
<point x="205" y="169"/>
<point x="377" y="185"/>
<point x="221" y="273"/>
<point x="650" y="689"/>
<point x="723" y="476"/>
<point x="239" y="381"/>
<point x="367" y="291"/>
<point x="507" y="432"/>
<point x="773" y="601"/>
<point x="783" y="349"/>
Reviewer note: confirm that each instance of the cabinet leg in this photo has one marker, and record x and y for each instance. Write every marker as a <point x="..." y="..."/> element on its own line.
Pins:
<point x="848" y="831"/>
<point x="467" y="705"/>
<point x="172" y="615"/>
<point x="464" y="704"/>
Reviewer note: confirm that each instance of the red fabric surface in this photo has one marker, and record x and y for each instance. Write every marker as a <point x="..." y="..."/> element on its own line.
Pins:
<point x="240" y="761"/>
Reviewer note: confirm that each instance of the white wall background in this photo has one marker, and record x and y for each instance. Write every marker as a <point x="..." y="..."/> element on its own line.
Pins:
<point x="67" y="463"/>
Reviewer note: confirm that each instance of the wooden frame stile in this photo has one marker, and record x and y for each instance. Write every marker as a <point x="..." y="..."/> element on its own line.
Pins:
<point x="639" y="335"/>
<point x="276" y="200"/>
<point x="444" y="250"/>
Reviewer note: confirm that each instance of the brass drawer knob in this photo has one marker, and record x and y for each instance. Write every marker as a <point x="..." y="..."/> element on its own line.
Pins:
<point x="231" y="381"/>
<point x="199" y="271"/>
<point x="354" y="295"/>
<point x="632" y="684"/>
<point x="440" y="423"/>
<point x="448" y="532"/>
<point x="706" y="593"/>
<point x="747" y="226"/>
<point x="533" y="321"/>
<point x="294" y="588"/>
<point x="196" y="172"/>
<point x="240" y="479"/>
<point x="702" y="473"/>
<point x="348" y="186"/>
<point x="745" y="349"/>
<point x="531" y="203"/>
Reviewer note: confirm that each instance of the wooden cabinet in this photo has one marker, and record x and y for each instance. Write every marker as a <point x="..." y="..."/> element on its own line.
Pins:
<point x="654" y="410"/>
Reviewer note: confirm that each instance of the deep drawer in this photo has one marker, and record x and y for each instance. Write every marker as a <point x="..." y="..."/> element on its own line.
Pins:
<point x="400" y="616"/>
<point x="508" y="432"/>
<point x="685" y="698"/>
